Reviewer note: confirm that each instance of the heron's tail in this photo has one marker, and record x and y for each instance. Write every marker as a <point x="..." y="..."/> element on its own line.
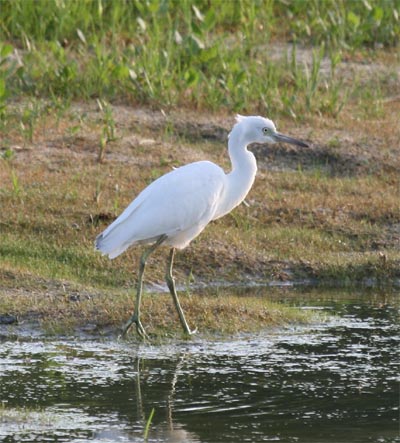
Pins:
<point x="113" y="241"/>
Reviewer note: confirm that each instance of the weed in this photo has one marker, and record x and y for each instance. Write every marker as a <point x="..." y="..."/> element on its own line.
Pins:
<point x="9" y="67"/>
<point x="7" y="154"/>
<point x="30" y="117"/>
<point x="108" y="129"/>
<point x="148" y="424"/>
<point x="15" y="183"/>
<point x="345" y="23"/>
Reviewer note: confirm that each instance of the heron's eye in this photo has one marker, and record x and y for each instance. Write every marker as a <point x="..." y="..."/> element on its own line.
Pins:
<point x="266" y="131"/>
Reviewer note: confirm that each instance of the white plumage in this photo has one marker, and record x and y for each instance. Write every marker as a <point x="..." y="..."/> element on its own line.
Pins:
<point x="178" y="204"/>
<point x="176" y="207"/>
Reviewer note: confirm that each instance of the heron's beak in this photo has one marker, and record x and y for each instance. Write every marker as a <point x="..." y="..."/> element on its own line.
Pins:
<point x="285" y="139"/>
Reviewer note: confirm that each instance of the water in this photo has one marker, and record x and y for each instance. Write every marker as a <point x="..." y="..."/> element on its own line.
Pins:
<point x="332" y="382"/>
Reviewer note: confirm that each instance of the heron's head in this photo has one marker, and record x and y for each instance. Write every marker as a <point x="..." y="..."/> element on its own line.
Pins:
<point x="257" y="129"/>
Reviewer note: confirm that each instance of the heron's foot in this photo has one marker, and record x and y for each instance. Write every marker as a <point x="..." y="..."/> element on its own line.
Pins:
<point x="139" y="327"/>
<point x="190" y="332"/>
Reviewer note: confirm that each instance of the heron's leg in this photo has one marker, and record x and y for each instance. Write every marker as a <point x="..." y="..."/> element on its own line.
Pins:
<point x="135" y="318"/>
<point x="171" y="286"/>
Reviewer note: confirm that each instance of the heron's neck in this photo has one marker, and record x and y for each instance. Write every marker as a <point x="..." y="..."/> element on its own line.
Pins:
<point x="241" y="178"/>
<point x="243" y="161"/>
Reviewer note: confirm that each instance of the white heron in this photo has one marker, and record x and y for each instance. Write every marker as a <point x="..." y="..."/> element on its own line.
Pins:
<point x="176" y="207"/>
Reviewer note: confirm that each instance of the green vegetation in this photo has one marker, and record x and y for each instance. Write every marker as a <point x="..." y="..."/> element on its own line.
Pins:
<point x="168" y="53"/>
<point x="98" y="98"/>
<point x="148" y="424"/>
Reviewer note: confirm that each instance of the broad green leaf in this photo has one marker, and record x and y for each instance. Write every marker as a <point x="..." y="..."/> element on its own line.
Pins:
<point x="353" y="19"/>
<point x="6" y="50"/>
<point x="378" y="14"/>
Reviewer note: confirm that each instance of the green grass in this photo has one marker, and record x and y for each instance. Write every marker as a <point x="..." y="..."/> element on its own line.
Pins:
<point x="189" y="53"/>
<point x="352" y="23"/>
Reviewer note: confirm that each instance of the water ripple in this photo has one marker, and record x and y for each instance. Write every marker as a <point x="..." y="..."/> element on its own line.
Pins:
<point x="303" y="384"/>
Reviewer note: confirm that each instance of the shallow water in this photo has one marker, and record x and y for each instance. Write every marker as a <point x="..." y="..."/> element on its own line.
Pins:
<point x="332" y="382"/>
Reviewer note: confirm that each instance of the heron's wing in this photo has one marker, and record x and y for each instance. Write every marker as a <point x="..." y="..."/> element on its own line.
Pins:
<point x="184" y="198"/>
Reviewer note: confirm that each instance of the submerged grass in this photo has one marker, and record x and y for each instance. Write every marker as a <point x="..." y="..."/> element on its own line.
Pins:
<point x="19" y="417"/>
